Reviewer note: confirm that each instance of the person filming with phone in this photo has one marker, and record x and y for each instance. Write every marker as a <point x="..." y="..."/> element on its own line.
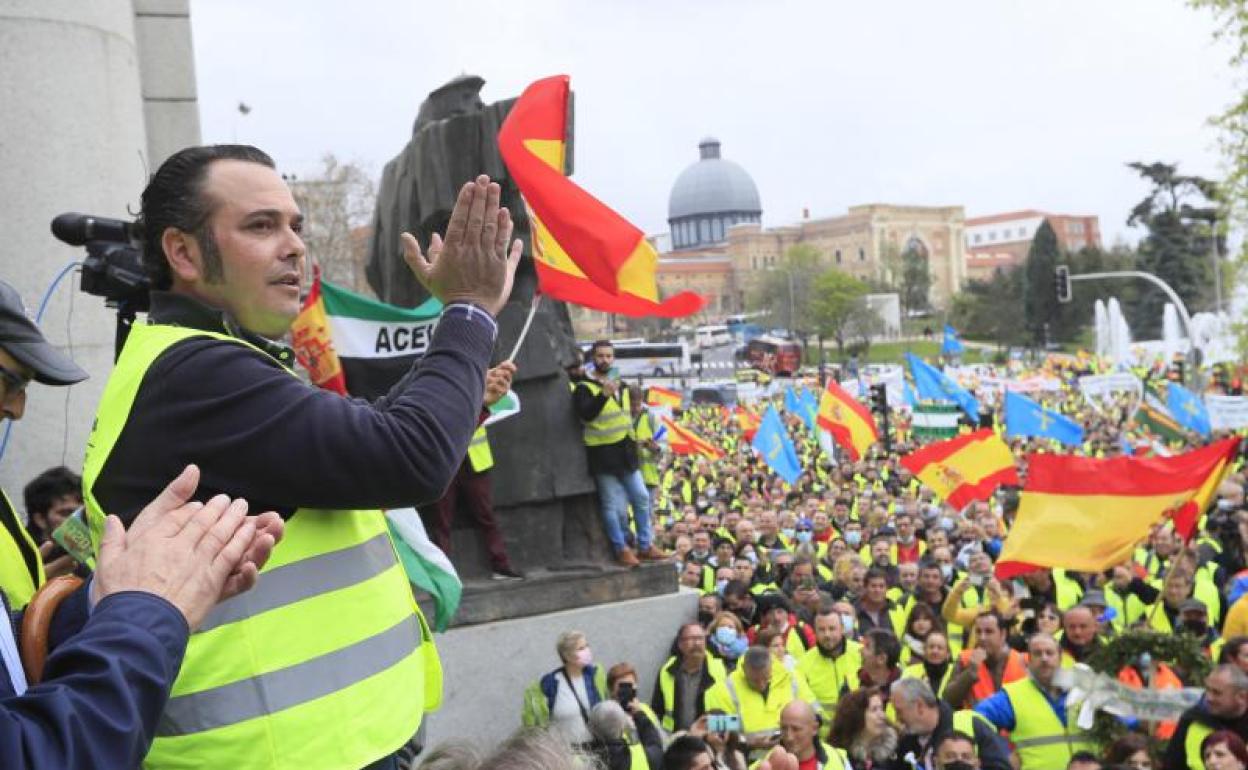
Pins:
<point x="624" y="730"/>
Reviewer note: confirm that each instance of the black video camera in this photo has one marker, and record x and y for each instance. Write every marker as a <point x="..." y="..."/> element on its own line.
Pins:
<point x="113" y="268"/>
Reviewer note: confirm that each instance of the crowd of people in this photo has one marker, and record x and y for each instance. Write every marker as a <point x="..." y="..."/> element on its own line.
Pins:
<point x="853" y="618"/>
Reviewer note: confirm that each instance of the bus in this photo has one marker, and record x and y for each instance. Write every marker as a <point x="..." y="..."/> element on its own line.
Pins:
<point x="774" y="355"/>
<point x="635" y="358"/>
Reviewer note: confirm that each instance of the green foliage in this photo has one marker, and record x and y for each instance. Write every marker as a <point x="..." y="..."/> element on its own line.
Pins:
<point x="1180" y="240"/>
<point x="794" y="278"/>
<point x="839" y="308"/>
<point x="1182" y="652"/>
<point x="916" y="280"/>
<point x="1040" y="305"/>
<point x="988" y="310"/>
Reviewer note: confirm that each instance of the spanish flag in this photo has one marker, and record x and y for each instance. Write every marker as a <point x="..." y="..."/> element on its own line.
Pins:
<point x="848" y="420"/>
<point x="657" y="396"/>
<point x="585" y="253"/>
<point x="685" y="442"/>
<point x="1086" y="514"/>
<point x="313" y="341"/>
<point x="964" y="469"/>
<point x="748" y="422"/>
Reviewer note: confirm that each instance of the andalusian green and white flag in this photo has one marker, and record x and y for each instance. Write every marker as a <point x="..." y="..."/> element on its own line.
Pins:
<point x="376" y="343"/>
<point x="426" y="566"/>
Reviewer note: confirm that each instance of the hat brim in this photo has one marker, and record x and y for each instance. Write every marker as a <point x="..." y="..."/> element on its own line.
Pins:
<point x="51" y="366"/>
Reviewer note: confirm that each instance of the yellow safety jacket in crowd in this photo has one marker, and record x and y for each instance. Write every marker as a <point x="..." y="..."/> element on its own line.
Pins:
<point x="917" y="671"/>
<point x="1128" y="608"/>
<point x="667" y="686"/>
<point x="759" y="715"/>
<point x="1042" y="742"/>
<point x="1067" y="590"/>
<point x="326" y="663"/>
<point x="637" y="756"/>
<point x="613" y="423"/>
<point x="480" y="458"/>
<point x="829" y="678"/>
<point x="1197" y="732"/>
<point x="643" y="430"/>
<point x="21" y="566"/>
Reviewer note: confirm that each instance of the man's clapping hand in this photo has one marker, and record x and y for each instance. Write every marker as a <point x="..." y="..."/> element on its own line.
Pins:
<point x="191" y="554"/>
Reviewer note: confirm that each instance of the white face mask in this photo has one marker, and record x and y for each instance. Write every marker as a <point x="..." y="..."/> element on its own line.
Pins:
<point x="584" y="657"/>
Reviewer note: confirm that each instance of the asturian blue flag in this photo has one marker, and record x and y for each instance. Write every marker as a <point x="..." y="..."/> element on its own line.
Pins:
<point x="809" y="408"/>
<point x="1188" y="409"/>
<point x="907" y="393"/>
<point x="773" y="443"/>
<point x="952" y="346"/>
<point x="1024" y="417"/>
<point x="933" y="385"/>
<point x="792" y="403"/>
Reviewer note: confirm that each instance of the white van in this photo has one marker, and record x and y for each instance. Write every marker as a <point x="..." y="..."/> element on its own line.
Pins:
<point x="713" y="336"/>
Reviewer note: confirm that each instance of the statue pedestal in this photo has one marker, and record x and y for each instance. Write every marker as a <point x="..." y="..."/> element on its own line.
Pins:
<point x="487" y="666"/>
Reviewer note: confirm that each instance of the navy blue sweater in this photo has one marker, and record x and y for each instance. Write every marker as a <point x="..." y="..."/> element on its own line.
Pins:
<point x="257" y="432"/>
<point x="104" y="687"/>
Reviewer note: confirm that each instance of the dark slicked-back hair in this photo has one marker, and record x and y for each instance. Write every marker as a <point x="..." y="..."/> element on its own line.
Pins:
<point x="174" y="197"/>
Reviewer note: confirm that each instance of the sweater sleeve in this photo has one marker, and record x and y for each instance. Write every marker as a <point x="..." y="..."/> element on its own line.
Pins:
<point x="258" y="433"/>
<point x="103" y="691"/>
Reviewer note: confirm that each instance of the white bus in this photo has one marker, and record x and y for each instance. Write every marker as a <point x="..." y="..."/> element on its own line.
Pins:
<point x="634" y="358"/>
<point x="712" y="336"/>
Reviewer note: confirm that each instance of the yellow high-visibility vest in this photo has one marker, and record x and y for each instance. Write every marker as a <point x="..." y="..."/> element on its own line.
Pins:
<point x="1042" y="742"/>
<point x="21" y="566"/>
<point x="480" y="458"/>
<point x="326" y="663"/>
<point x="612" y="424"/>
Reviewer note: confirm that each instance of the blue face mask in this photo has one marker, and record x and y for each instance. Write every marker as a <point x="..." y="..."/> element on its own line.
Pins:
<point x="788" y="534"/>
<point x="946" y="523"/>
<point x="847" y="623"/>
<point x="719" y="586"/>
<point x="803" y="536"/>
<point x="853" y="537"/>
<point x="725" y="635"/>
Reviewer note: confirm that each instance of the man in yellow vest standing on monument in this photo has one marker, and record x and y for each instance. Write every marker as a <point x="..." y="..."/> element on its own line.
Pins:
<point x="330" y="663"/>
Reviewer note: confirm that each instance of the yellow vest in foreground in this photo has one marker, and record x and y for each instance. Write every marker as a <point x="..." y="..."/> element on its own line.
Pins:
<point x="21" y="566"/>
<point x="327" y="663"/>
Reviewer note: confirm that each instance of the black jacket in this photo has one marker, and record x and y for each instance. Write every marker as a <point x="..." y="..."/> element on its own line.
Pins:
<point x="993" y="752"/>
<point x="259" y="433"/>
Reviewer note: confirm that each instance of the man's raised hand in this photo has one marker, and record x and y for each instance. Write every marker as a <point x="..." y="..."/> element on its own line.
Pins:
<point x="477" y="260"/>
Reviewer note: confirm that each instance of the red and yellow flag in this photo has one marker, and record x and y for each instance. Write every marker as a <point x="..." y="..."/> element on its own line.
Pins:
<point x="657" y="396"/>
<point x="685" y="442"/>
<point x="748" y="422"/>
<point x="585" y="253"/>
<point x="964" y="469"/>
<point x="1086" y="514"/>
<point x="314" y="344"/>
<point x="848" y="420"/>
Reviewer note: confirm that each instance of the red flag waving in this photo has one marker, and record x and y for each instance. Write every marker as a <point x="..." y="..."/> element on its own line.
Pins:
<point x="585" y="253"/>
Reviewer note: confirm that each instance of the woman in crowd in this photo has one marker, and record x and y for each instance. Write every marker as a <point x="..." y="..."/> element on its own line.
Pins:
<point x="1224" y="750"/>
<point x="563" y="698"/>
<point x="862" y="730"/>
<point x="922" y="621"/>
<point x="726" y="639"/>
<point x="934" y="666"/>
<point x="1130" y="751"/>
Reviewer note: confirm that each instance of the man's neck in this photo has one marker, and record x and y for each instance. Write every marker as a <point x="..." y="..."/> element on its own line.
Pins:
<point x="689" y="664"/>
<point x="804" y="754"/>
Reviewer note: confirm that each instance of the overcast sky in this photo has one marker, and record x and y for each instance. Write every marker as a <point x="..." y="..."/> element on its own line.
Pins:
<point x="995" y="105"/>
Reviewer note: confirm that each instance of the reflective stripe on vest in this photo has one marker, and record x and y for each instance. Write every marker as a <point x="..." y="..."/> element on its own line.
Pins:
<point x="479" y="455"/>
<point x="21" y="566"/>
<point x="1042" y="742"/>
<point x="327" y="662"/>
<point x="612" y="424"/>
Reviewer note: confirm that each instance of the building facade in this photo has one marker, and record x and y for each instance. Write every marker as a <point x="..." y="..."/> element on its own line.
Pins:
<point x="1001" y="241"/>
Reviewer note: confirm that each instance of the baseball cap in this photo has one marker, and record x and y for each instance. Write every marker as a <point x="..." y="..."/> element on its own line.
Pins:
<point x="22" y="339"/>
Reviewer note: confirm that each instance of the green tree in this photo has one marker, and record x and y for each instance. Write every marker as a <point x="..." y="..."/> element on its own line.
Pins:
<point x="337" y="200"/>
<point x="839" y="299"/>
<point x="786" y="291"/>
<point x="988" y="309"/>
<point x="916" y="280"/>
<point x="1040" y="305"/>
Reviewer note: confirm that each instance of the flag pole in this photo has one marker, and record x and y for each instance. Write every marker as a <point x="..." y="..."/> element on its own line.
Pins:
<point x="528" y="323"/>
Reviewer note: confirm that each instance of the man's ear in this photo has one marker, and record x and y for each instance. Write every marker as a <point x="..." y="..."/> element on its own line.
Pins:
<point x="182" y="251"/>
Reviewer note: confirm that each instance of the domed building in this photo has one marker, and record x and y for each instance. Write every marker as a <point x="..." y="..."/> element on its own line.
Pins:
<point x="709" y="197"/>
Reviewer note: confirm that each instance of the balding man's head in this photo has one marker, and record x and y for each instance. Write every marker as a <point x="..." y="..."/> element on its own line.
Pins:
<point x="1079" y="626"/>
<point x="798" y="728"/>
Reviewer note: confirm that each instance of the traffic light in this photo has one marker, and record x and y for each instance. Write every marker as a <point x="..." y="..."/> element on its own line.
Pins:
<point x="1061" y="283"/>
<point x="879" y="398"/>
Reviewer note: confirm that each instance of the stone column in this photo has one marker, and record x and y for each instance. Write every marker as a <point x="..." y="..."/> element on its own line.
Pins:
<point x="72" y="139"/>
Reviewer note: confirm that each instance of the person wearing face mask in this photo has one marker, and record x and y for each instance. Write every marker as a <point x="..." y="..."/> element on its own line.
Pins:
<point x="1194" y="621"/>
<point x="563" y="698"/>
<point x="725" y="639"/>
<point x="955" y="751"/>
